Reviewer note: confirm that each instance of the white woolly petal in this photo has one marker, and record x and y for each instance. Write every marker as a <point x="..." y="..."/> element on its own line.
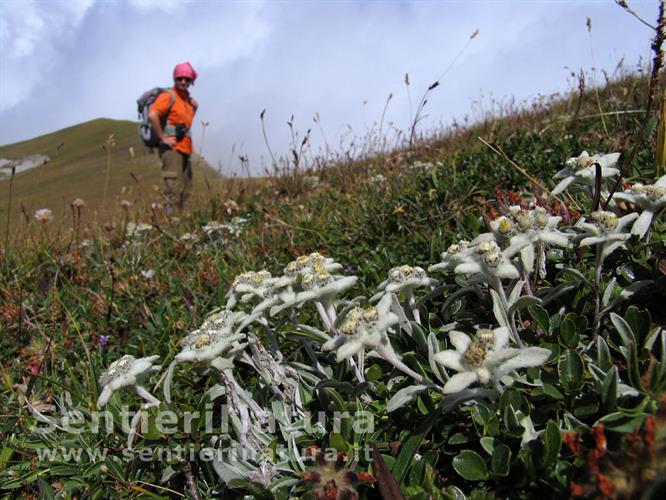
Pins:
<point x="104" y="396"/>
<point x="459" y="340"/>
<point x="622" y="222"/>
<point x="642" y="224"/>
<point x="609" y="160"/>
<point x="554" y="238"/>
<point x="501" y="337"/>
<point x="506" y="270"/>
<point x="661" y="182"/>
<point x="460" y="381"/>
<point x="565" y="172"/>
<point x="167" y="381"/>
<point x="450" y="359"/>
<point x="484" y="374"/>
<point x="348" y="349"/>
<point x="329" y="345"/>
<point x="528" y="357"/>
<point x="527" y="258"/>
<point x="564" y="183"/>
<point x="468" y="268"/>
<point x="482" y="238"/>
<point x="591" y="240"/>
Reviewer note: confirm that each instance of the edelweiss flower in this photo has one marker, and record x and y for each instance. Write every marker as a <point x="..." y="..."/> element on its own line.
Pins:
<point x="212" y="338"/>
<point x="44" y="215"/>
<point x="128" y="371"/>
<point x="454" y="255"/>
<point x="651" y="198"/>
<point x="532" y="227"/>
<point x="406" y="278"/>
<point x="137" y="230"/>
<point x="189" y="238"/>
<point x="488" y="261"/>
<point x="581" y="170"/>
<point x="78" y="203"/>
<point x="318" y="285"/>
<point x="607" y="230"/>
<point x="208" y="343"/>
<point x="363" y="328"/>
<point x="249" y="285"/>
<point x="486" y="358"/>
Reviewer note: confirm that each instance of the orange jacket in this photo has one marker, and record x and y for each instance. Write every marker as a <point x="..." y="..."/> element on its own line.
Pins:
<point x="182" y="111"/>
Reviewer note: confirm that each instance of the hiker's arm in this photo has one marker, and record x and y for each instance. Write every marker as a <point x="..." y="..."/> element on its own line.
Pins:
<point x="157" y="126"/>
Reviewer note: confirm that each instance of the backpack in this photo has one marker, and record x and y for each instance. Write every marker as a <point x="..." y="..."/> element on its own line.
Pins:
<point x="146" y="131"/>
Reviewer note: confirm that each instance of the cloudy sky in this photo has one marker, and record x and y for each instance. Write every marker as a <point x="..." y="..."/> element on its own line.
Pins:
<point x="65" y="62"/>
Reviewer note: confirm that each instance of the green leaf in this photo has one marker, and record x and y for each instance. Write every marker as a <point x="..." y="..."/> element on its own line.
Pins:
<point x="488" y="444"/>
<point x="524" y="302"/>
<point x="552" y="442"/>
<point x="624" y="330"/>
<point x="338" y="442"/>
<point x="609" y="391"/>
<point x="470" y="466"/>
<point x="5" y="457"/>
<point x="603" y="354"/>
<point x="568" y="335"/>
<point x="639" y="321"/>
<point x="541" y="317"/>
<point x="500" y="460"/>
<point x="458" y="438"/>
<point x="571" y="370"/>
<point x="620" y="422"/>
<point x="404" y="396"/>
<point x="374" y="373"/>
<point x="409" y="448"/>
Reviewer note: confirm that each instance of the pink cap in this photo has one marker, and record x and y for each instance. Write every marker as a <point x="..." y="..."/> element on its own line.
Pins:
<point x="184" y="69"/>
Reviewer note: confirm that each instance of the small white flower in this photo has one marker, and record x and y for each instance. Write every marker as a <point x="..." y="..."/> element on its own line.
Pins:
<point x="488" y="262"/>
<point x="377" y="179"/>
<point x="538" y="228"/>
<point x="128" y="371"/>
<point x="44" y="215"/>
<point x="651" y="198"/>
<point x="78" y="203"/>
<point x="363" y="328"/>
<point x="189" y="238"/>
<point x="249" y="285"/>
<point x="456" y="254"/>
<point x="208" y="344"/>
<point x="581" y="170"/>
<point x="311" y="181"/>
<point x="406" y="278"/>
<point x="137" y="230"/>
<point x="320" y="286"/>
<point x="485" y="359"/>
<point x="607" y="230"/>
<point x="149" y="274"/>
<point x="213" y="338"/>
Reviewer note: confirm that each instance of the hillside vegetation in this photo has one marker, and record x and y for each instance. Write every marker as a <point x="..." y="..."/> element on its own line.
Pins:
<point x="338" y="290"/>
<point x="78" y="168"/>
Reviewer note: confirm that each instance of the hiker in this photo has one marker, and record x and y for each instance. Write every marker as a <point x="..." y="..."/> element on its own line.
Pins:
<point x="175" y="146"/>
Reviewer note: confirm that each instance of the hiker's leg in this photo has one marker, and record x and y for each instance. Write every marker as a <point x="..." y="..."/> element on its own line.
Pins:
<point x="187" y="180"/>
<point x="171" y="171"/>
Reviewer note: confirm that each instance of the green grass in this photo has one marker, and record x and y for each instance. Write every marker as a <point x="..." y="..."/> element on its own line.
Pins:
<point x="58" y="298"/>
<point x="78" y="170"/>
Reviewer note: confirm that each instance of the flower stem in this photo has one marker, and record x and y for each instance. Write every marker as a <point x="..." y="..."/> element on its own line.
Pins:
<point x="497" y="286"/>
<point x="411" y="300"/>
<point x="389" y="355"/>
<point x="597" y="296"/>
<point x="324" y="316"/>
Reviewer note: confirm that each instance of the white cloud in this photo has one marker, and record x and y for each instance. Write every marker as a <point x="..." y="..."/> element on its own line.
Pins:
<point x="67" y="62"/>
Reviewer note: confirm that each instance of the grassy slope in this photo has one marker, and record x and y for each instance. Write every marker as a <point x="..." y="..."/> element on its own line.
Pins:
<point x="78" y="169"/>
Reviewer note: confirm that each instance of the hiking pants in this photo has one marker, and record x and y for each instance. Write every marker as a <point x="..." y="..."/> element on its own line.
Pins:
<point x="177" y="175"/>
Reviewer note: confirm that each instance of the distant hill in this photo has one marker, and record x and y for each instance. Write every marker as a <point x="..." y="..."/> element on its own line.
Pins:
<point x="77" y="169"/>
